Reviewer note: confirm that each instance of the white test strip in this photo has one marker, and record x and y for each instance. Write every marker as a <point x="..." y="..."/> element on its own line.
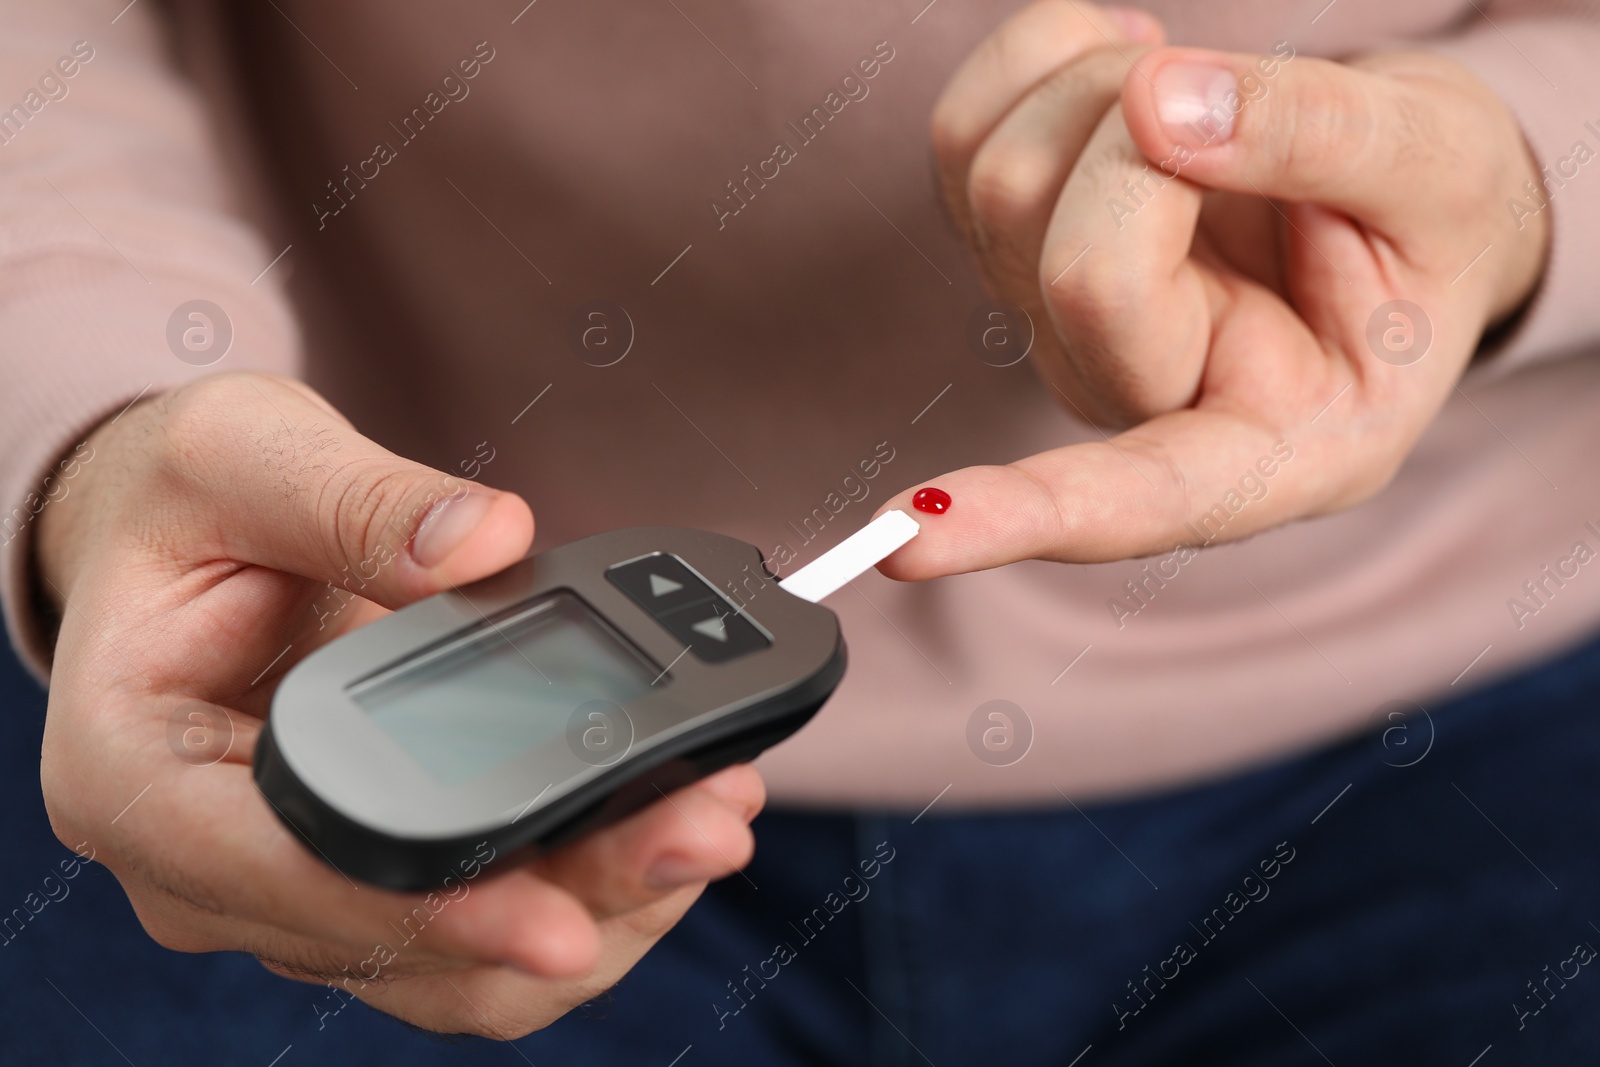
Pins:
<point x="852" y="557"/>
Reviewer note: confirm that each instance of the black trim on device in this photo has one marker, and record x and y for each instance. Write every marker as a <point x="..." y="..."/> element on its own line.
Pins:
<point x="360" y="852"/>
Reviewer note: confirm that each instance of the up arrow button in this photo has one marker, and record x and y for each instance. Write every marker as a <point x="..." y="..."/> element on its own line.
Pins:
<point x="659" y="582"/>
<point x="691" y="609"/>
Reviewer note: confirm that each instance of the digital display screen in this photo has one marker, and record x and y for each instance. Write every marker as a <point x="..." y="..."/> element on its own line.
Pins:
<point x="498" y="691"/>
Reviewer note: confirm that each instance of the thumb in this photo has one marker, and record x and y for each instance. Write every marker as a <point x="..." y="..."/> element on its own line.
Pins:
<point x="1296" y="129"/>
<point x="287" y="483"/>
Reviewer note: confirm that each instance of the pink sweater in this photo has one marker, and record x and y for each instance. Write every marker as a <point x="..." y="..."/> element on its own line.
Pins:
<point x="416" y="206"/>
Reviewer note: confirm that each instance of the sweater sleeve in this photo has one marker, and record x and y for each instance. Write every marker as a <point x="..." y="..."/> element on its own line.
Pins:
<point x="116" y="223"/>
<point x="1541" y="56"/>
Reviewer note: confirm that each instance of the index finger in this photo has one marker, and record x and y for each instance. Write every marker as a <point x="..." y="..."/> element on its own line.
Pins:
<point x="1189" y="478"/>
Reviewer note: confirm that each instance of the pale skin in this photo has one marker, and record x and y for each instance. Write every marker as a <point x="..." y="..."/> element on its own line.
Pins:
<point x="196" y="546"/>
<point x="1211" y="324"/>
<point x="201" y="540"/>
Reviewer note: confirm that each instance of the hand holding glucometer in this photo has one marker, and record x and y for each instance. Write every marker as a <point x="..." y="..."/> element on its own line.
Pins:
<point x="193" y="564"/>
<point x="557" y="696"/>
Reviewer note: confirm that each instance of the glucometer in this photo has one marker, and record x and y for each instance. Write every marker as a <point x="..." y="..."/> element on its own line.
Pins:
<point x="555" y="697"/>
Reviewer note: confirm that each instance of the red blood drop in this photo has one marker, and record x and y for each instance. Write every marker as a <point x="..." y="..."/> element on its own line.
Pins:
<point x="934" y="501"/>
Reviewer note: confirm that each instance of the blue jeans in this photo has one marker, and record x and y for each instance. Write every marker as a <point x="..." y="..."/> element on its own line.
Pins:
<point x="1382" y="901"/>
<point x="1357" y="906"/>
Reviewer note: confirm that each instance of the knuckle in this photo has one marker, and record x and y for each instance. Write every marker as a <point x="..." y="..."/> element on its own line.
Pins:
<point x="1060" y="29"/>
<point x="1100" y="386"/>
<point x="1089" y="299"/>
<point x="1041" y="37"/>
<point x="1432" y="130"/>
<point x="203" y="407"/>
<point x="222" y="427"/>
<point x="1108" y="391"/>
<point x="204" y="425"/>
<point x="192" y="420"/>
<point x="1085" y="406"/>
<point x="1330" y="131"/>
<point x="1009" y="185"/>
<point x="1167" y="473"/>
<point x="950" y="130"/>
<point x="166" y="929"/>
<point x="1087" y="85"/>
<point x="1099" y="313"/>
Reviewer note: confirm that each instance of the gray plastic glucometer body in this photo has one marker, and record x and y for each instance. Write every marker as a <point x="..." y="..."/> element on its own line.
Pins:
<point x="549" y="699"/>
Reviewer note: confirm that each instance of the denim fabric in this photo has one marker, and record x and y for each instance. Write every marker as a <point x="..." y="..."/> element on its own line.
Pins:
<point x="1425" y="896"/>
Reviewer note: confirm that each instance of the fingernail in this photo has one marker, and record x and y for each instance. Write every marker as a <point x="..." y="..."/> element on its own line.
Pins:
<point x="1195" y="102"/>
<point x="446" y="525"/>
<point x="1139" y="26"/>
<point x="671" y="872"/>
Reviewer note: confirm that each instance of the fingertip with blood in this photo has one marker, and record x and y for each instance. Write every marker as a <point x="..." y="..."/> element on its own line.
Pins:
<point x="972" y="519"/>
<point x="931" y="500"/>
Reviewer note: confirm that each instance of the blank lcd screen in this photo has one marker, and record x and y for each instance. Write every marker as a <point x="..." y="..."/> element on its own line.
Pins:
<point x="498" y="691"/>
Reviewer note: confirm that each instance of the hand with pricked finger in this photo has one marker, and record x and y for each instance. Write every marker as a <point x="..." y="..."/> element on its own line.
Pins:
<point x="1224" y="255"/>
